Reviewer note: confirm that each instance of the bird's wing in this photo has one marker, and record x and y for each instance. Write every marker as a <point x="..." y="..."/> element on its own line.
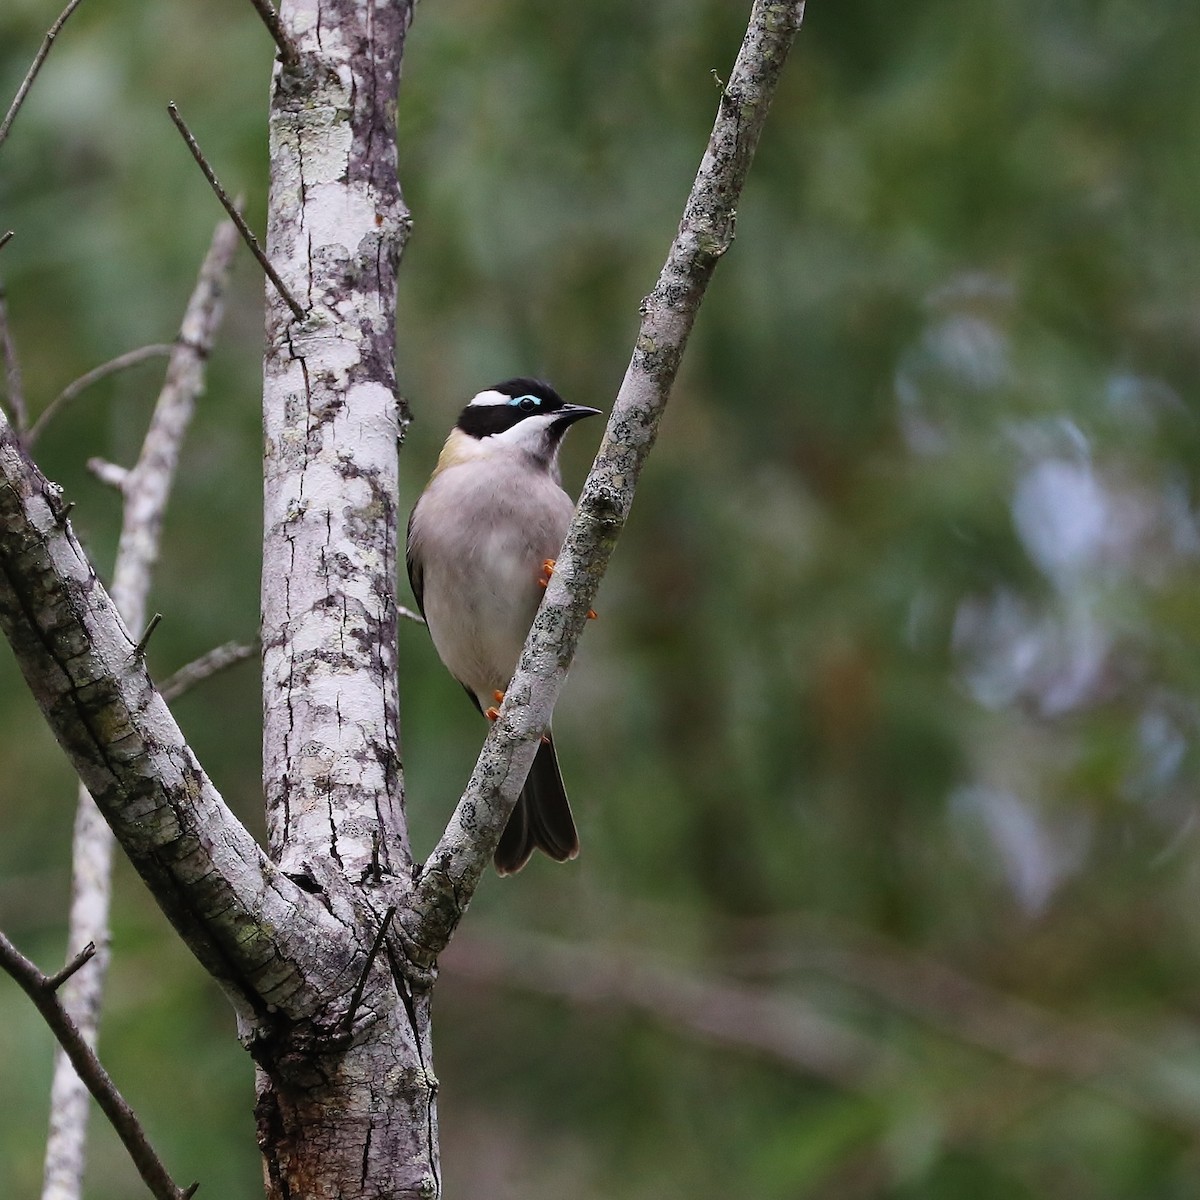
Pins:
<point x="416" y="575"/>
<point x="416" y="578"/>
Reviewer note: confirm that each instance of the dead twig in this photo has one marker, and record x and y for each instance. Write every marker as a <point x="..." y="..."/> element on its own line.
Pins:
<point x="234" y="215"/>
<point x="355" y="999"/>
<point x="40" y="988"/>
<point x="34" y="68"/>
<point x="73" y="390"/>
<point x="270" y="18"/>
<point x="5" y="238"/>
<point x="207" y="665"/>
<point x="84" y="957"/>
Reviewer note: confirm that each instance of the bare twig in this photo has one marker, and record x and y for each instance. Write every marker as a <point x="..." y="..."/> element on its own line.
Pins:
<point x="207" y="665"/>
<point x="270" y="18"/>
<point x="131" y="358"/>
<point x="13" y="387"/>
<point x="34" y="68"/>
<point x="668" y="313"/>
<point x="40" y="988"/>
<point x="140" y="649"/>
<point x="5" y="238"/>
<point x="778" y="1023"/>
<point x="108" y="472"/>
<point x="84" y="957"/>
<point x="235" y="216"/>
<point x="356" y="998"/>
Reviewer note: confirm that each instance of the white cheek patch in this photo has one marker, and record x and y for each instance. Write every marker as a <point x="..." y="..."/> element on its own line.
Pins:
<point x="529" y="434"/>
<point x="489" y="398"/>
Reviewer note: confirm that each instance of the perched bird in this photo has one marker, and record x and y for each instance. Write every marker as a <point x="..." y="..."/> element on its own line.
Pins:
<point x="481" y="543"/>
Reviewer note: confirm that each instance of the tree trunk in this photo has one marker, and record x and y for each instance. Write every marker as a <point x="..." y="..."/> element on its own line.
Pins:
<point x="347" y="1115"/>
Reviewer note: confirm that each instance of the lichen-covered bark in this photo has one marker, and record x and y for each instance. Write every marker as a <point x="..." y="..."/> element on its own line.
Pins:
<point x="353" y="1118"/>
<point x="339" y="1114"/>
<point x="331" y="758"/>
<point x="668" y="313"/>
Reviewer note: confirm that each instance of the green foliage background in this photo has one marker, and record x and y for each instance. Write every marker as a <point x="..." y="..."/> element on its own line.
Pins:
<point x="897" y="661"/>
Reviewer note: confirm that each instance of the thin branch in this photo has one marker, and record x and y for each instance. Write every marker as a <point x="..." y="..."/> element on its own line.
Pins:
<point x="73" y="390"/>
<point x="270" y="18"/>
<point x="140" y="649"/>
<point x="5" y="238"/>
<point x="356" y="997"/>
<point x="40" y="988"/>
<point x="1037" y="1039"/>
<point x="109" y="472"/>
<point x="668" y="313"/>
<point x="206" y="666"/>
<point x="84" y="957"/>
<point x="34" y="68"/>
<point x="236" y="217"/>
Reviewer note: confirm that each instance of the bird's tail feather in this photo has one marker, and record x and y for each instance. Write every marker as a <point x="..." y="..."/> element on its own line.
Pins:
<point x="541" y="819"/>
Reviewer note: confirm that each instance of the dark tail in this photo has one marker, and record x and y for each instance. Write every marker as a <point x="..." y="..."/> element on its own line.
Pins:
<point x="542" y="818"/>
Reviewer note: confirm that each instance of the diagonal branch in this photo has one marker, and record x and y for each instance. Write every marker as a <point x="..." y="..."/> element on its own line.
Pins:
<point x="254" y="930"/>
<point x="73" y="390"/>
<point x="234" y="215"/>
<point x="705" y="233"/>
<point x="34" y="68"/>
<point x="288" y="55"/>
<point x="220" y="658"/>
<point x="41" y="989"/>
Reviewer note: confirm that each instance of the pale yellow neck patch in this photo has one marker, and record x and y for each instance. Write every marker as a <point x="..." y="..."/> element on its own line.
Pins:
<point x="459" y="448"/>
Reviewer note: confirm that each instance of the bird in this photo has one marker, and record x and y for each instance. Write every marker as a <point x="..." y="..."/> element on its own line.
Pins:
<point x="482" y="540"/>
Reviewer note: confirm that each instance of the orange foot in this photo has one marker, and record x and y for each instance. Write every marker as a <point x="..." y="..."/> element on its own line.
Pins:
<point x="493" y="713"/>
<point x="547" y="571"/>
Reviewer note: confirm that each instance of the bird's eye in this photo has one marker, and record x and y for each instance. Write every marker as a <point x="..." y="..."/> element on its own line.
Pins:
<point x="527" y="403"/>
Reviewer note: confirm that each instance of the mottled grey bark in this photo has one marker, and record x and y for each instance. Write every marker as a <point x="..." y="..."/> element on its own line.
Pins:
<point x="338" y="1116"/>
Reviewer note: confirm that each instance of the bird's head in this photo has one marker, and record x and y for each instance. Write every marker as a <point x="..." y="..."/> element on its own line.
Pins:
<point x="521" y="416"/>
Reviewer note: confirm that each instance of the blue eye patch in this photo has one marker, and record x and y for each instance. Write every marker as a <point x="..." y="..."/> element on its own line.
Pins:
<point x="525" y="402"/>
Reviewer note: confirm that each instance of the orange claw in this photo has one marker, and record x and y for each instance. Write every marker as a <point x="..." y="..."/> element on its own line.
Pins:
<point x="498" y="696"/>
<point x="545" y="739"/>
<point x="491" y="713"/>
<point x="592" y="614"/>
<point x="547" y="570"/>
